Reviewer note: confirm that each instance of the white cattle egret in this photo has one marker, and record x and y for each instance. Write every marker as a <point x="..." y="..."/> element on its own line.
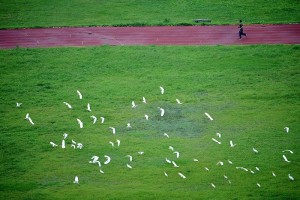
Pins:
<point x="76" y="180"/>
<point x="209" y="116"/>
<point x="80" y="96"/>
<point x="175" y="165"/>
<point x="27" y="116"/>
<point x="285" y="159"/>
<point x="68" y="105"/>
<point x="144" y="100"/>
<point x="73" y="145"/>
<point x="218" y="134"/>
<point x="95" y="160"/>
<point x="30" y="120"/>
<point x="216" y="140"/>
<point x="180" y="174"/>
<point x="63" y="145"/>
<point x="231" y="144"/>
<point x="107" y="160"/>
<point x="257" y="168"/>
<point x="80" y="123"/>
<point x="168" y="161"/>
<point x="112" y="144"/>
<point x="128" y="125"/>
<point x="130" y="157"/>
<point x="288" y="151"/>
<point x="206" y="169"/>
<point x="79" y="146"/>
<point x="252" y="172"/>
<point x="88" y="108"/>
<point x="195" y="160"/>
<point x="166" y="174"/>
<point x="273" y="174"/>
<point x="177" y="153"/>
<point x="220" y="162"/>
<point x="213" y="185"/>
<point x="19" y="104"/>
<point x="162" y="90"/>
<point x="65" y="135"/>
<point x="290" y="177"/>
<point x="95" y="119"/>
<point x="258" y="184"/>
<point x="133" y="104"/>
<point x="165" y="134"/>
<point x="113" y="130"/>
<point x="128" y="166"/>
<point x="225" y="176"/>
<point x="73" y="142"/>
<point x="255" y="150"/>
<point x="242" y="168"/>
<point x="147" y="117"/>
<point x="229" y="182"/>
<point x="140" y="152"/>
<point x="102" y="120"/>
<point x="287" y="129"/>
<point x="178" y="101"/>
<point x="102" y="172"/>
<point x="53" y="144"/>
<point x="162" y="111"/>
<point x="171" y="148"/>
<point x="230" y="162"/>
<point x="118" y="142"/>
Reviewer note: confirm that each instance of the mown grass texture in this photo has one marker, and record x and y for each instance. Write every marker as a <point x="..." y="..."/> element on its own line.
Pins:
<point x="57" y="13"/>
<point x="252" y="92"/>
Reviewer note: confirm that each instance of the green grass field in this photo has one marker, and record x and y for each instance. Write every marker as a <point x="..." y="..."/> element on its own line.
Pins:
<point x="40" y="13"/>
<point x="252" y="92"/>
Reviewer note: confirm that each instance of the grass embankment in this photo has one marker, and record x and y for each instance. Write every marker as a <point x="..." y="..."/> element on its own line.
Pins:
<point x="252" y="92"/>
<point x="39" y="13"/>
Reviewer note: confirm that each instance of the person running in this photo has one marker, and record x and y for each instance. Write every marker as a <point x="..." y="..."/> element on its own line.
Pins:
<point x="241" y="30"/>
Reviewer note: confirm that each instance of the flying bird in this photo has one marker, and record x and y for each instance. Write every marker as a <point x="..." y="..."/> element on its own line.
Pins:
<point x="258" y="184"/>
<point x="230" y="162"/>
<point x="102" y="120"/>
<point x="229" y="182"/>
<point x="213" y="185"/>
<point x="177" y="153"/>
<point x="257" y="168"/>
<point x="165" y="134"/>
<point x="128" y="166"/>
<point x="140" y="152"/>
<point x="273" y="174"/>
<point x="242" y="168"/>
<point x="95" y="119"/>
<point x="166" y="174"/>
<point x="53" y="144"/>
<point x="162" y="111"/>
<point x="171" y="148"/>
<point x="287" y="129"/>
<point x="80" y="96"/>
<point x="231" y="144"/>
<point x="216" y="140"/>
<point x="63" y="145"/>
<point x="128" y="125"/>
<point x="285" y="159"/>
<point x="147" y="117"/>
<point x="225" y="176"/>
<point x="206" y="169"/>
<point x="144" y="100"/>
<point x="73" y="145"/>
<point x="27" y="116"/>
<point x="80" y="123"/>
<point x="252" y="172"/>
<point x="30" y="120"/>
<point x="290" y="177"/>
<point x="118" y="142"/>
<point x="178" y="101"/>
<point x="68" y="105"/>
<point x="130" y="157"/>
<point x="112" y="144"/>
<point x="95" y="160"/>
<point x="196" y="160"/>
<point x="76" y="180"/>
<point x="113" y="130"/>
<point x="218" y="134"/>
<point x="79" y="146"/>
<point x="133" y="104"/>
<point x="19" y="104"/>
<point x="180" y="174"/>
<point x="220" y="162"/>
<point x="209" y="116"/>
<point x="162" y="90"/>
<point x="288" y="151"/>
<point x="168" y="161"/>
<point x="255" y="150"/>
<point x="73" y="142"/>
<point x="107" y="160"/>
<point x="175" y="165"/>
<point x="88" y="108"/>
<point x="102" y="172"/>
<point x="65" y="135"/>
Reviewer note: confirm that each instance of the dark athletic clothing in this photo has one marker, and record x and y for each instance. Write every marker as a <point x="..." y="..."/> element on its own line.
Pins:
<point x="241" y="31"/>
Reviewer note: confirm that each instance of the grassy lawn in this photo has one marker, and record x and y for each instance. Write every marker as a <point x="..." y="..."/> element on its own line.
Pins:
<point x="252" y="92"/>
<point x="40" y="13"/>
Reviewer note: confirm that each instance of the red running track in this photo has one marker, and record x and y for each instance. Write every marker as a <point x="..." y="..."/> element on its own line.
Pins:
<point x="158" y="35"/>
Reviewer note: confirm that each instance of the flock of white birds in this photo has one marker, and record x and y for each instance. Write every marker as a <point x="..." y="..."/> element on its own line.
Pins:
<point x="95" y="159"/>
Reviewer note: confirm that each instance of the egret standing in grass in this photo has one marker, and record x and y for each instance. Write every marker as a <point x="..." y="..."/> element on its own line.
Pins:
<point x="80" y="96"/>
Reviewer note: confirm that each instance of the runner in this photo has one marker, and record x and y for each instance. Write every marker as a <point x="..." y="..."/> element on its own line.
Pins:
<point x="241" y="30"/>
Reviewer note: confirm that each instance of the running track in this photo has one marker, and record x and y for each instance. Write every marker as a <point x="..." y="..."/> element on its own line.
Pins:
<point x="158" y="35"/>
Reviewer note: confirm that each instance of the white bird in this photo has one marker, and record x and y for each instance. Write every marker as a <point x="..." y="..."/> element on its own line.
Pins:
<point x="128" y="125"/>
<point x="144" y="100"/>
<point x="230" y="162"/>
<point x="95" y="160"/>
<point x="88" y="108"/>
<point x="206" y="169"/>
<point x="30" y="120"/>
<point x="273" y="174"/>
<point x="107" y="160"/>
<point x="257" y="168"/>
<point x="171" y="148"/>
<point x="220" y="162"/>
<point x="147" y="117"/>
<point x="79" y="146"/>
<point x="95" y="119"/>
<point x="209" y="116"/>
<point x="218" y="134"/>
<point x="231" y="144"/>
<point x="288" y="151"/>
<point x="180" y="174"/>
<point x="165" y="134"/>
<point x="140" y="152"/>
<point x="27" y="116"/>
<point x="65" y="135"/>
<point x="177" y="153"/>
<point x="73" y="145"/>
<point x="133" y="104"/>
<point x="242" y="168"/>
<point x="128" y="166"/>
<point x="287" y="129"/>
<point x="162" y="111"/>
<point x="118" y="142"/>
<point x="178" y="101"/>
<point x="213" y="185"/>
<point x="53" y="144"/>
<point x="252" y="172"/>
<point x="68" y="105"/>
<point x="168" y="161"/>
<point x="229" y="181"/>
<point x="255" y="150"/>
<point x="195" y="160"/>
<point x="216" y="140"/>
<point x="73" y="142"/>
<point x="112" y="144"/>
<point x="80" y="96"/>
<point x="76" y="180"/>
<point x="113" y="130"/>
<point x="102" y="172"/>
<point x="80" y="123"/>
<point x="285" y="159"/>
<point x="174" y="164"/>
<point x="19" y="104"/>
<point x="162" y="90"/>
<point x="290" y="177"/>
<point x="166" y="174"/>
<point x="102" y="120"/>
<point x="63" y="145"/>
<point x="258" y="184"/>
<point x="225" y="176"/>
<point x="130" y="157"/>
